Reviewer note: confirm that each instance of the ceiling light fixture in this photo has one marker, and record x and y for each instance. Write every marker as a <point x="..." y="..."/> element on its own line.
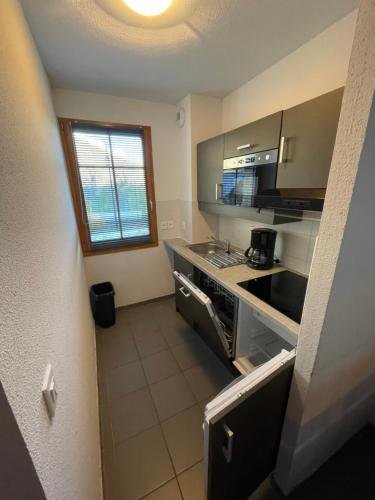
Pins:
<point x="148" y="7"/>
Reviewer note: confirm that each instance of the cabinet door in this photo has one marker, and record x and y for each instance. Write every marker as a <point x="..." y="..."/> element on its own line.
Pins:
<point x="307" y="139"/>
<point x="242" y="430"/>
<point x="260" y="135"/>
<point x="210" y="169"/>
<point x="183" y="266"/>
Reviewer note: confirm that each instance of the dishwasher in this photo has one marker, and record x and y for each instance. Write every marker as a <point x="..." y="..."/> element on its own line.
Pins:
<point x="242" y="425"/>
<point x="211" y="310"/>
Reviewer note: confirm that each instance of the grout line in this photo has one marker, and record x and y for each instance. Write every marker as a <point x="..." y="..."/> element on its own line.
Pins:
<point x="163" y="434"/>
<point x="162" y="430"/>
<point x="148" y="386"/>
<point x="107" y="478"/>
<point x="145" y="302"/>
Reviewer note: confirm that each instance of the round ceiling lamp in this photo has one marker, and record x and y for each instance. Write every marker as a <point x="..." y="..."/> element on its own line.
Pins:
<point x="148" y="8"/>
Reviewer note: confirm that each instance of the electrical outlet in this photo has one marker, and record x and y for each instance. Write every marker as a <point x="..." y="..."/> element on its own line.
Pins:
<point x="183" y="225"/>
<point x="170" y="224"/>
<point x="164" y="225"/>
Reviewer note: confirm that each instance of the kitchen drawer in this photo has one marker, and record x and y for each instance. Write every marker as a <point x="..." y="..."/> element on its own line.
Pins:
<point x="183" y="266"/>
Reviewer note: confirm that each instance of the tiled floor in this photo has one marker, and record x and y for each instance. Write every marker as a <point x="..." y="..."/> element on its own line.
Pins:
<point x="155" y="376"/>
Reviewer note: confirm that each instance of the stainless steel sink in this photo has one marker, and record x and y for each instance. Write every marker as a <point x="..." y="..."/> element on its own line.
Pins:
<point x="206" y="248"/>
<point x="216" y="254"/>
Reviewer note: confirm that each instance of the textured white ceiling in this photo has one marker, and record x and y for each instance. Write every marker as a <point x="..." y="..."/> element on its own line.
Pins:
<point x="199" y="46"/>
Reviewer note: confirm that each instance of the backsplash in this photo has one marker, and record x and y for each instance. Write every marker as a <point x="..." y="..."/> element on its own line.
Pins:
<point x="295" y="241"/>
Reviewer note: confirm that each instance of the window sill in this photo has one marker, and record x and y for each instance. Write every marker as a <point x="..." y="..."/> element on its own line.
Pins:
<point x="128" y="248"/>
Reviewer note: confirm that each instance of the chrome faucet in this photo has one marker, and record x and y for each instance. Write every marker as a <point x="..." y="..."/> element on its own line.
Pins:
<point x="226" y="242"/>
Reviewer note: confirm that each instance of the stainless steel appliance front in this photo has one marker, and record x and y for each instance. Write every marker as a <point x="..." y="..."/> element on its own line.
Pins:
<point x="245" y="177"/>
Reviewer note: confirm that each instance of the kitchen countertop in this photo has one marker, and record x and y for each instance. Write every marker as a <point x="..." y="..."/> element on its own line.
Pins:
<point x="230" y="276"/>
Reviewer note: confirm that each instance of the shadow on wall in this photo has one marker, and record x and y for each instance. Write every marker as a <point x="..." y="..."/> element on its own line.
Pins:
<point x="18" y="478"/>
<point x="326" y="432"/>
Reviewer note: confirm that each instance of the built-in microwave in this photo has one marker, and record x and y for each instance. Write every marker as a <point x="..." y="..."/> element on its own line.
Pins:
<point x="246" y="177"/>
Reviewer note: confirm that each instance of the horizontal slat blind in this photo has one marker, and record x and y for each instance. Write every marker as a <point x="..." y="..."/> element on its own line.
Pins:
<point x="112" y="173"/>
<point x="247" y="186"/>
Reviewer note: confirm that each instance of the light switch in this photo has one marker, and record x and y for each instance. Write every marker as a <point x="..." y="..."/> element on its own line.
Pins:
<point x="49" y="391"/>
<point x="164" y="225"/>
<point x="170" y="224"/>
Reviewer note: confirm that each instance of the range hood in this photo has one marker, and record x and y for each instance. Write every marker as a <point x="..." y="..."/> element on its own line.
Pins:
<point x="292" y="199"/>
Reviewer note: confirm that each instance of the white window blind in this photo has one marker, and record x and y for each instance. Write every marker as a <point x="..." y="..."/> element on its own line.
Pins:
<point x="112" y="174"/>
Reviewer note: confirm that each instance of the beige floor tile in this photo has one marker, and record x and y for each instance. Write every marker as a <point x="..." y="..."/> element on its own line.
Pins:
<point x="169" y="491"/>
<point x="178" y="334"/>
<point x="150" y="343"/>
<point x="171" y="396"/>
<point x="142" y="464"/>
<point x="184" y="436"/>
<point x="119" y="352"/>
<point x="208" y="379"/>
<point x="192" y="483"/>
<point x="192" y="354"/>
<point x="132" y="414"/>
<point x="125" y="379"/>
<point x="160" y="366"/>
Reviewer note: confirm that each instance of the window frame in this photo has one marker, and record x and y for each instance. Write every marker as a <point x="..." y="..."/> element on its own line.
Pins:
<point x="65" y="126"/>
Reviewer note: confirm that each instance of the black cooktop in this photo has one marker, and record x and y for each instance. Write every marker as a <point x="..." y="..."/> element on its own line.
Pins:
<point x="285" y="291"/>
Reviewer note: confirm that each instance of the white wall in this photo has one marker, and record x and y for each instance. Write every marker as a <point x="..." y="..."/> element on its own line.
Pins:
<point x="44" y="308"/>
<point x="317" y="67"/>
<point x="137" y="275"/>
<point x="295" y="241"/>
<point x="333" y="389"/>
<point x="203" y="120"/>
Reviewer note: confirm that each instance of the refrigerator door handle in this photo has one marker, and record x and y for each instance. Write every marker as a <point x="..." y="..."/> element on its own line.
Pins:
<point x="228" y="449"/>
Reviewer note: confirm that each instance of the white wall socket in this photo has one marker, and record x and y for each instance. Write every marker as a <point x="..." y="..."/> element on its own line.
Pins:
<point x="49" y="391"/>
<point x="164" y="225"/>
<point x="170" y="224"/>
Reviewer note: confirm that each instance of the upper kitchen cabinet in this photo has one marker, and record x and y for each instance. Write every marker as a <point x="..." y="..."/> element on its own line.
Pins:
<point x="210" y="169"/>
<point x="260" y="135"/>
<point x="307" y="141"/>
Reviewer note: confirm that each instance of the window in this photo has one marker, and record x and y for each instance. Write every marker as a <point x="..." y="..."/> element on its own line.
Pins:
<point x="111" y="178"/>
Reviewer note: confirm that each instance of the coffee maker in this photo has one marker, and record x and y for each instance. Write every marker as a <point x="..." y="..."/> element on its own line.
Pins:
<point x="262" y="247"/>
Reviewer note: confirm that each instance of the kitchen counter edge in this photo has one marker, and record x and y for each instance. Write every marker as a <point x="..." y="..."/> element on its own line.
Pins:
<point x="230" y="276"/>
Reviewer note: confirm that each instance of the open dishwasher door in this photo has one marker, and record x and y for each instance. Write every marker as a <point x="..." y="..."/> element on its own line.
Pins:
<point x="197" y="308"/>
<point x="242" y="429"/>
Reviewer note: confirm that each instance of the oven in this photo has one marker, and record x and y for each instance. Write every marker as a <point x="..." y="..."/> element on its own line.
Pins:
<point x="246" y="177"/>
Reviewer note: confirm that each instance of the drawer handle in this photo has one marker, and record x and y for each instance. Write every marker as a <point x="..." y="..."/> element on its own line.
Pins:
<point x="184" y="293"/>
<point x="247" y="146"/>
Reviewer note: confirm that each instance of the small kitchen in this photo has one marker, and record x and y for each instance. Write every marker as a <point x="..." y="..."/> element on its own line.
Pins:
<point x="204" y="299"/>
<point x="236" y="244"/>
<point x="235" y="251"/>
<point x="244" y="303"/>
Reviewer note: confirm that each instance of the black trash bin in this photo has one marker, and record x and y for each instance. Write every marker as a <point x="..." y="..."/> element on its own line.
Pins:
<point x="102" y="298"/>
